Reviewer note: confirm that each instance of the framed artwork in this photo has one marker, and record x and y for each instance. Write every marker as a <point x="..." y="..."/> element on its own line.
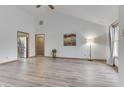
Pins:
<point x="70" y="39"/>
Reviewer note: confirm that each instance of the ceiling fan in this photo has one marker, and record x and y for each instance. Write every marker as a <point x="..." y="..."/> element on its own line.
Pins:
<point x="50" y="6"/>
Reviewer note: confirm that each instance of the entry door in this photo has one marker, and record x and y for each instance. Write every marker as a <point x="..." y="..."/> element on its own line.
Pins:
<point x="39" y="45"/>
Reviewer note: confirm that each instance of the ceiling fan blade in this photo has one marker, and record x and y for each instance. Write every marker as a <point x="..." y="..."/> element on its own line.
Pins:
<point x="37" y="6"/>
<point x="51" y="7"/>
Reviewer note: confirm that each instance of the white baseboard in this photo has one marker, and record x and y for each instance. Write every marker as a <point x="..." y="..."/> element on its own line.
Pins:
<point x="2" y="61"/>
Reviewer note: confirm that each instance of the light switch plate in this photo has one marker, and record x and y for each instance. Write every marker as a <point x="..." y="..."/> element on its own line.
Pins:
<point x="123" y="33"/>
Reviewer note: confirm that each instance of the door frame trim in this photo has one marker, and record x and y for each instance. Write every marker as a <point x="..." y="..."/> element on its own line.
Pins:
<point x="27" y="39"/>
<point x="44" y="43"/>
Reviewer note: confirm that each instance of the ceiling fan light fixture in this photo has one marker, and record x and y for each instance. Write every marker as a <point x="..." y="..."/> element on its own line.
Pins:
<point x="38" y="6"/>
<point x="51" y="7"/>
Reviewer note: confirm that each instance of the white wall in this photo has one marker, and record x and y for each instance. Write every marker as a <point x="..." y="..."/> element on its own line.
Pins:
<point x="121" y="45"/>
<point x="57" y="24"/>
<point x="11" y="21"/>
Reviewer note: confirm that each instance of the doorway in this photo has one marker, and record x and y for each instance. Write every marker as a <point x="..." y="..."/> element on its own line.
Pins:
<point x="39" y="44"/>
<point x="22" y="44"/>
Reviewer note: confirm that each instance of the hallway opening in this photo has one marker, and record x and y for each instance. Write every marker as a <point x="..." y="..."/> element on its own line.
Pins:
<point x="22" y="44"/>
<point x="39" y="44"/>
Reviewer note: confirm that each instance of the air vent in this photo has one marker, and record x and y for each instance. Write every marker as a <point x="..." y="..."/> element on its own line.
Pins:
<point x="41" y="22"/>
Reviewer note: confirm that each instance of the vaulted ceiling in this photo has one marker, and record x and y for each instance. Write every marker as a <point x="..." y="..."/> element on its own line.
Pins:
<point x="102" y="14"/>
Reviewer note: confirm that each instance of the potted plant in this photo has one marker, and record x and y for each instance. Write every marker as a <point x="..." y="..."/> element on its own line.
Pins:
<point x="54" y="51"/>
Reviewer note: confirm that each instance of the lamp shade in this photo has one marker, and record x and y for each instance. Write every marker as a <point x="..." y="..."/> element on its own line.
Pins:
<point x="90" y="40"/>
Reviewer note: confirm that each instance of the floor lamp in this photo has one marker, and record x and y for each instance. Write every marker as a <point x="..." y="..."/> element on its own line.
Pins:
<point x="90" y="42"/>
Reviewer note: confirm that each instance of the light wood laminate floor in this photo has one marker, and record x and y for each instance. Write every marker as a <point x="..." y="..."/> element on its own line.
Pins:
<point x="48" y="72"/>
